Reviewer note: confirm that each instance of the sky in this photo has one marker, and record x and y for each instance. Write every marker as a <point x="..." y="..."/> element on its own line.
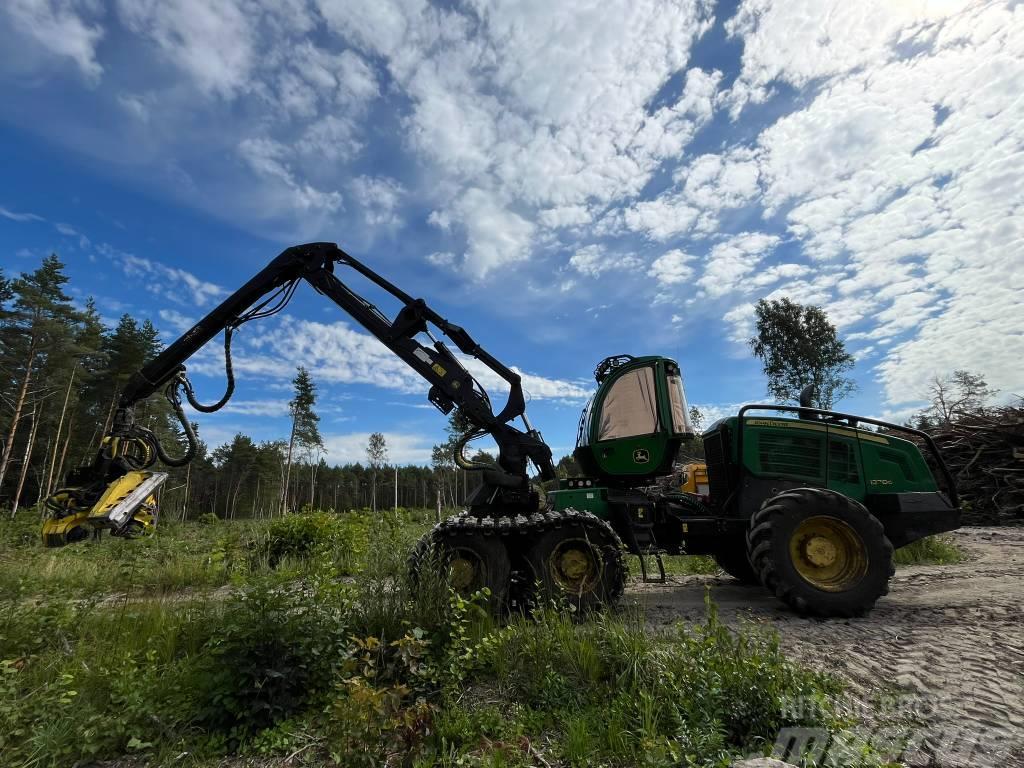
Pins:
<point x="566" y="180"/>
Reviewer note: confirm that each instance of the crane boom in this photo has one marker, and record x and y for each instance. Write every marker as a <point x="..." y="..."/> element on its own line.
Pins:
<point x="131" y="448"/>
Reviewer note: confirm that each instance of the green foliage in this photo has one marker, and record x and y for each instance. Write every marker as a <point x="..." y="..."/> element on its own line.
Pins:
<point x="799" y="346"/>
<point x="931" y="550"/>
<point x="357" y="671"/>
<point x="302" y="536"/>
<point x="305" y="420"/>
<point x="677" y="565"/>
<point x="611" y="692"/>
<point x="276" y="647"/>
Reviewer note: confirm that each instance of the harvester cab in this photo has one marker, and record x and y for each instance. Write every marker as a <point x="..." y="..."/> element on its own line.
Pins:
<point x="632" y="428"/>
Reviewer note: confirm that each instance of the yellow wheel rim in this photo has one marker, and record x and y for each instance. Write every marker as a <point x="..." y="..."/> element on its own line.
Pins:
<point x="828" y="553"/>
<point x="461" y="573"/>
<point x="574" y="566"/>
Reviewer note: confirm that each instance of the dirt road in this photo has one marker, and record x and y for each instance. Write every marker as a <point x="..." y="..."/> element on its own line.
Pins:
<point x="940" y="660"/>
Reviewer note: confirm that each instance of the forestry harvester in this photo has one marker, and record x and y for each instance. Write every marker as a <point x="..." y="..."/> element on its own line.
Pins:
<point x="810" y="503"/>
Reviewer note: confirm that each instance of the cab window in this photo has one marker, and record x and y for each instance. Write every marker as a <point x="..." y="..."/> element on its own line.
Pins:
<point x="631" y="406"/>
<point x="680" y="415"/>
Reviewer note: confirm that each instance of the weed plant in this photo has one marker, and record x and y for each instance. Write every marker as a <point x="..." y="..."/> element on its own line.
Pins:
<point x="931" y="550"/>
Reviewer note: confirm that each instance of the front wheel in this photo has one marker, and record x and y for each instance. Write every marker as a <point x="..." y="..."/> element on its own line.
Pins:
<point x="820" y="552"/>
<point x="469" y="562"/>
<point x="579" y="561"/>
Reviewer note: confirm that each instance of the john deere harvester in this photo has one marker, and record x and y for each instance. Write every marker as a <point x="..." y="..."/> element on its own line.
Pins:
<point x="809" y="503"/>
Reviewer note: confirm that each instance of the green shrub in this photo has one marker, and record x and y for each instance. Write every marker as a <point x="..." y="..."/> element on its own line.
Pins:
<point x="277" y="646"/>
<point x="302" y="536"/>
<point x="931" y="550"/>
<point x="610" y="692"/>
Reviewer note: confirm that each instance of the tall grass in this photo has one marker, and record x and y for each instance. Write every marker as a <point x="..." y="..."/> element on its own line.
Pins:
<point x="931" y="550"/>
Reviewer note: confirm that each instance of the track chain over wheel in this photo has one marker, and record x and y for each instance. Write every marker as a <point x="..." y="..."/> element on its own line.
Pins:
<point x="820" y="552"/>
<point x="522" y="540"/>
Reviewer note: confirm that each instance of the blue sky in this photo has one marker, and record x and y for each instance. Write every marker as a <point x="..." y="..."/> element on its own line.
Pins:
<point x="565" y="180"/>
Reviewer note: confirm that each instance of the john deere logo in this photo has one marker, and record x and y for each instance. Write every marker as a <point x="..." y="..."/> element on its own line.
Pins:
<point x="641" y="456"/>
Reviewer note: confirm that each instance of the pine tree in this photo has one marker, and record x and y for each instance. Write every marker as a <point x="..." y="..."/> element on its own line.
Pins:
<point x="305" y="432"/>
<point x="377" y="456"/>
<point x="36" y="325"/>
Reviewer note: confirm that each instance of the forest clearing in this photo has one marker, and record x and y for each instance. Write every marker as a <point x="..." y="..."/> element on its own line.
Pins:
<point x="297" y="641"/>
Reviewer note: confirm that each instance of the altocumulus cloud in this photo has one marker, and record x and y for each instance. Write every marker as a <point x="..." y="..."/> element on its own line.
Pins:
<point x="864" y="156"/>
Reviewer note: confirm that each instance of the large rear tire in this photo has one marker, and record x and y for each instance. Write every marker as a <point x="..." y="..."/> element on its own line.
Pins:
<point x="579" y="562"/>
<point x="820" y="552"/>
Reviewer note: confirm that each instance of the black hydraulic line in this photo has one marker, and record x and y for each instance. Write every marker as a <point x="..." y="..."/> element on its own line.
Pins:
<point x="229" y="373"/>
<point x="290" y="265"/>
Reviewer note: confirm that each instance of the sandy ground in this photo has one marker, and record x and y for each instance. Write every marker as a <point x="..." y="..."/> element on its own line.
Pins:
<point x="937" y="667"/>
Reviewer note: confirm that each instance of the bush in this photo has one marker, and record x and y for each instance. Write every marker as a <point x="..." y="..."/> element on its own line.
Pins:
<point x="931" y="550"/>
<point x="277" y="646"/>
<point x="302" y="536"/>
<point x="610" y="692"/>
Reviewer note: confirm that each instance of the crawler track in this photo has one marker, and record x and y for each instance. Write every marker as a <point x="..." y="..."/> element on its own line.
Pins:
<point x="519" y="532"/>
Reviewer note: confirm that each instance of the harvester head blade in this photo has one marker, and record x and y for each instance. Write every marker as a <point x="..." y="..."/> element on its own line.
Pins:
<point x="124" y="498"/>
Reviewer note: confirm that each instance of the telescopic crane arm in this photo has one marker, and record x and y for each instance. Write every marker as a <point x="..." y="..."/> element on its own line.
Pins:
<point x="451" y="385"/>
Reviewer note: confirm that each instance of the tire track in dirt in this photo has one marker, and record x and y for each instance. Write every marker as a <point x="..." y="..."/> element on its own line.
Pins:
<point x="941" y="657"/>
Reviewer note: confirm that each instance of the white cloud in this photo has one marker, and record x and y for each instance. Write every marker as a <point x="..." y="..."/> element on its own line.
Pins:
<point x="565" y="216"/>
<point x="328" y="138"/>
<point x="269" y="408"/>
<point x="403" y="448"/>
<point x="900" y="177"/>
<point x="171" y="282"/>
<point x="336" y="353"/>
<point x="61" y="27"/>
<point x="571" y="125"/>
<point x="592" y="260"/>
<point x="663" y="217"/>
<point x="495" y="235"/>
<point x="269" y="159"/>
<point x="21" y="217"/>
<point x="731" y="262"/>
<point x="799" y="41"/>
<point x="213" y="43"/>
<point x="672" y="267"/>
<point x="176" y="320"/>
<point x="380" y="198"/>
<point x="441" y="258"/>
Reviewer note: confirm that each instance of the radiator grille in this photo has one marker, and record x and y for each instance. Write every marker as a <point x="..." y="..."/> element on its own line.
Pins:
<point x="842" y="462"/>
<point x="782" y="454"/>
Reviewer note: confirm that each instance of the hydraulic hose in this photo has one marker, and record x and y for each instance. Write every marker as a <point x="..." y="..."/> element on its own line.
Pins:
<point x="461" y="461"/>
<point x="190" y="436"/>
<point x="229" y="372"/>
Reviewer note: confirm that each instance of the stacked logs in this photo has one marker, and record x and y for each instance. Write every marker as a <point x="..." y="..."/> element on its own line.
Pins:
<point x="984" y="451"/>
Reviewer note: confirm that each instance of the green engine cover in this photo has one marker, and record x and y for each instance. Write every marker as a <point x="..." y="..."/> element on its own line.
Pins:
<point x="854" y="462"/>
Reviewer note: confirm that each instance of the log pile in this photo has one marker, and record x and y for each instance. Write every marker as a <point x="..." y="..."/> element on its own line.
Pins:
<point x="985" y="453"/>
